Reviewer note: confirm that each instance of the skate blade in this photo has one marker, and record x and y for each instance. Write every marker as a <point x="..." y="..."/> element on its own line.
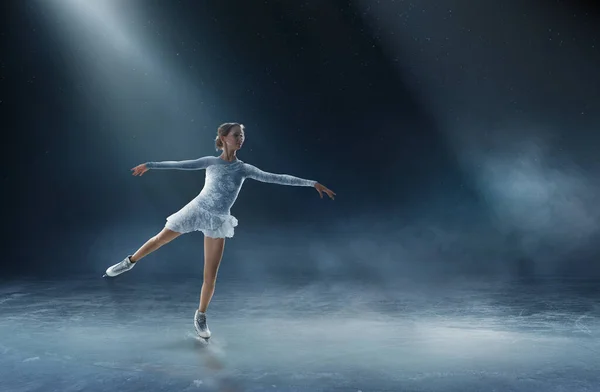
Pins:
<point x="202" y="340"/>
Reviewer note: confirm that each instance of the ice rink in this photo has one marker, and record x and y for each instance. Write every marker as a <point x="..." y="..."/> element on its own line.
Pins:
<point x="128" y="334"/>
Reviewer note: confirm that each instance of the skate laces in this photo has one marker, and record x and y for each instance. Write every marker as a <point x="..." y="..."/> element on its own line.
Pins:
<point x="201" y="319"/>
<point x="123" y="265"/>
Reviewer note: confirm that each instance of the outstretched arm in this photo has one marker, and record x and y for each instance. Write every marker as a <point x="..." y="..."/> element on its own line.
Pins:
<point x="192" y="164"/>
<point x="282" y="179"/>
<point x="285" y="179"/>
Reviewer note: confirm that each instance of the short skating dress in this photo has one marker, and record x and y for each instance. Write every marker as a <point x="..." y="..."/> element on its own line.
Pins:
<point x="209" y="212"/>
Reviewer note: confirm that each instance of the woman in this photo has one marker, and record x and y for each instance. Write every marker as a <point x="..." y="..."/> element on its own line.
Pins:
<point x="209" y="212"/>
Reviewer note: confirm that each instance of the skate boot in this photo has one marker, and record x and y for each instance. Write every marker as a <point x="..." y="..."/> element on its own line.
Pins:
<point x="120" y="267"/>
<point x="200" y="325"/>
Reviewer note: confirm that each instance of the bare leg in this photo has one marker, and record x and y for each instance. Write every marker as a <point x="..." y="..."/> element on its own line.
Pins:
<point x="162" y="238"/>
<point x="213" y="253"/>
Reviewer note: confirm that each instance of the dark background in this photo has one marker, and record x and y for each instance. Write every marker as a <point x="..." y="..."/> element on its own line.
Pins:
<point x="461" y="137"/>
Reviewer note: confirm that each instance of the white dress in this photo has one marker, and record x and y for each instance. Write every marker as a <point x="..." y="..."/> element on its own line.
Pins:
<point x="209" y="212"/>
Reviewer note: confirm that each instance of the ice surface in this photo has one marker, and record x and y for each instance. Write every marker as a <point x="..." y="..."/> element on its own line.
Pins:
<point x="127" y="334"/>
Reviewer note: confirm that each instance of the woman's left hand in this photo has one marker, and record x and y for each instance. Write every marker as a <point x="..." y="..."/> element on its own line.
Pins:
<point x="322" y="188"/>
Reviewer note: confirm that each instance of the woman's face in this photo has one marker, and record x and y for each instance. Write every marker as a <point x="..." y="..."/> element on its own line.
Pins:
<point x="235" y="139"/>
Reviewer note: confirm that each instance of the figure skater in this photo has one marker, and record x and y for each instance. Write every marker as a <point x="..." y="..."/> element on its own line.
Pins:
<point x="209" y="212"/>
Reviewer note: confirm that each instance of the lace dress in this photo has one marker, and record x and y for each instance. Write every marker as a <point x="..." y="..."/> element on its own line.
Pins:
<point x="209" y="212"/>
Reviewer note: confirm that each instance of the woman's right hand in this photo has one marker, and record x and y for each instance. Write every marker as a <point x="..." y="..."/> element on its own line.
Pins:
<point x="139" y="169"/>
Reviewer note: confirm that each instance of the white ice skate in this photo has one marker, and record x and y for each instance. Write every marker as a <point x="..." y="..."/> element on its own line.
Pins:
<point x="119" y="268"/>
<point x="200" y="325"/>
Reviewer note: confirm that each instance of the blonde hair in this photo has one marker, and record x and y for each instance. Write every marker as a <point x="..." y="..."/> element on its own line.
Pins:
<point x="224" y="130"/>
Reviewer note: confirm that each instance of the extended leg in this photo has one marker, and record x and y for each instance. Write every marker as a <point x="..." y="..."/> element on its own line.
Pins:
<point x="162" y="238"/>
